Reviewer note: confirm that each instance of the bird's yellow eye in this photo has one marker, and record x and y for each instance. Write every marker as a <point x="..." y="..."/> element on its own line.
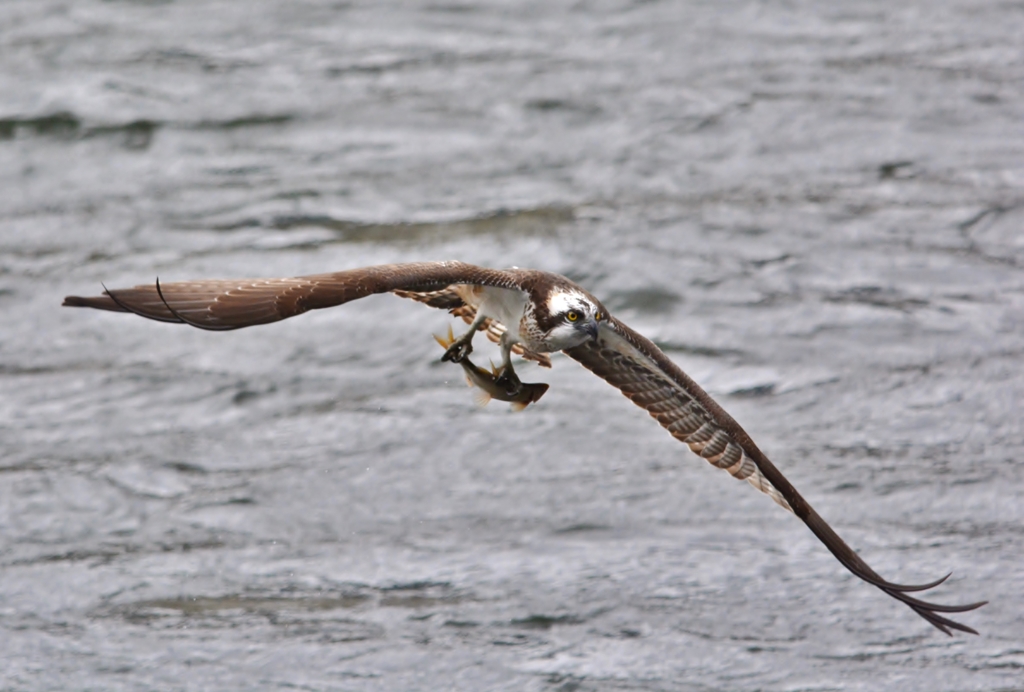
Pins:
<point x="572" y="315"/>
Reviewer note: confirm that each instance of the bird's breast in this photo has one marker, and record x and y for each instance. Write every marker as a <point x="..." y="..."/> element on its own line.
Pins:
<point x="506" y="305"/>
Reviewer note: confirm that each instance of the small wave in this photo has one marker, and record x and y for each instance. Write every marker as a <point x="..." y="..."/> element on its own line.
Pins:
<point x="536" y="221"/>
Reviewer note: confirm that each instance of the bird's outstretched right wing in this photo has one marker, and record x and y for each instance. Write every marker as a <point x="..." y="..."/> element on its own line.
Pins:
<point x="646" y="376"/>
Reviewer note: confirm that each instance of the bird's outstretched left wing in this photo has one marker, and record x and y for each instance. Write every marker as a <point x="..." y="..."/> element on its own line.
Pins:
<point x="224" y="304"/>
<point x="646" y="376"/>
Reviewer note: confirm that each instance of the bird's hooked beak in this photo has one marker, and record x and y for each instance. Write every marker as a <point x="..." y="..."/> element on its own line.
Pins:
<point x="591" y="329"/>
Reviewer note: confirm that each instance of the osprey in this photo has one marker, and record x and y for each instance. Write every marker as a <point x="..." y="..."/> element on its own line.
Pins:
<point x="530" y="313"/>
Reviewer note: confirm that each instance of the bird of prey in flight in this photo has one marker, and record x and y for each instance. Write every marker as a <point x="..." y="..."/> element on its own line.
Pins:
<point x="530" y="313"/>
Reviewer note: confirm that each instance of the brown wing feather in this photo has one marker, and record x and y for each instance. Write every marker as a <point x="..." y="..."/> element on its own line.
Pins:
<point x="225" y="304"/>
<point x="640" y="370"/>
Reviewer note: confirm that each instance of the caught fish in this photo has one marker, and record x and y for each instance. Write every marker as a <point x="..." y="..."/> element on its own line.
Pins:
<point x="487" y="385"/>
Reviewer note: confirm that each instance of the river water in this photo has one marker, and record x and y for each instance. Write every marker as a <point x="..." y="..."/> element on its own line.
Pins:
<point x="816" y="209"/>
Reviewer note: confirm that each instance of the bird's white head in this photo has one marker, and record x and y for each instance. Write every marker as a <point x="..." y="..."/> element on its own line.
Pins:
<point x="571" y="318"/>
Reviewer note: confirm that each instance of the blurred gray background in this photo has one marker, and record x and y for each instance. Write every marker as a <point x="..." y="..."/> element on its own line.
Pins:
<point x="816" y="209"/>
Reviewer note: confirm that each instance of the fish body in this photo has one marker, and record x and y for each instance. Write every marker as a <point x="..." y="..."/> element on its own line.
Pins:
<point x="487" y="385"/>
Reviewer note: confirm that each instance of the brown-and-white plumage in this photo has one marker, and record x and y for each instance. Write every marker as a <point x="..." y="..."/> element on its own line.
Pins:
<point x="531" y="313"/>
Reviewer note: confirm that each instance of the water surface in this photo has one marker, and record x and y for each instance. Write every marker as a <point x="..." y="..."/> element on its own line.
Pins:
<point x="816" y="211"/>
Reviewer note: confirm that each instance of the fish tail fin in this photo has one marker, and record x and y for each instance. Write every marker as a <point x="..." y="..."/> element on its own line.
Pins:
<point x="445" y="342"/>
<point x="518" y="406"/>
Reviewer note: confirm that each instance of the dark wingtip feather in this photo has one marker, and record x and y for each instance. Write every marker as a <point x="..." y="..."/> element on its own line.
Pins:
<point x="125" y="307"/>
<point x="930" y="611"/>
<point x="97" y="302"/>
<point x="174" y="312"/>
<point x="912" y="587"/>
